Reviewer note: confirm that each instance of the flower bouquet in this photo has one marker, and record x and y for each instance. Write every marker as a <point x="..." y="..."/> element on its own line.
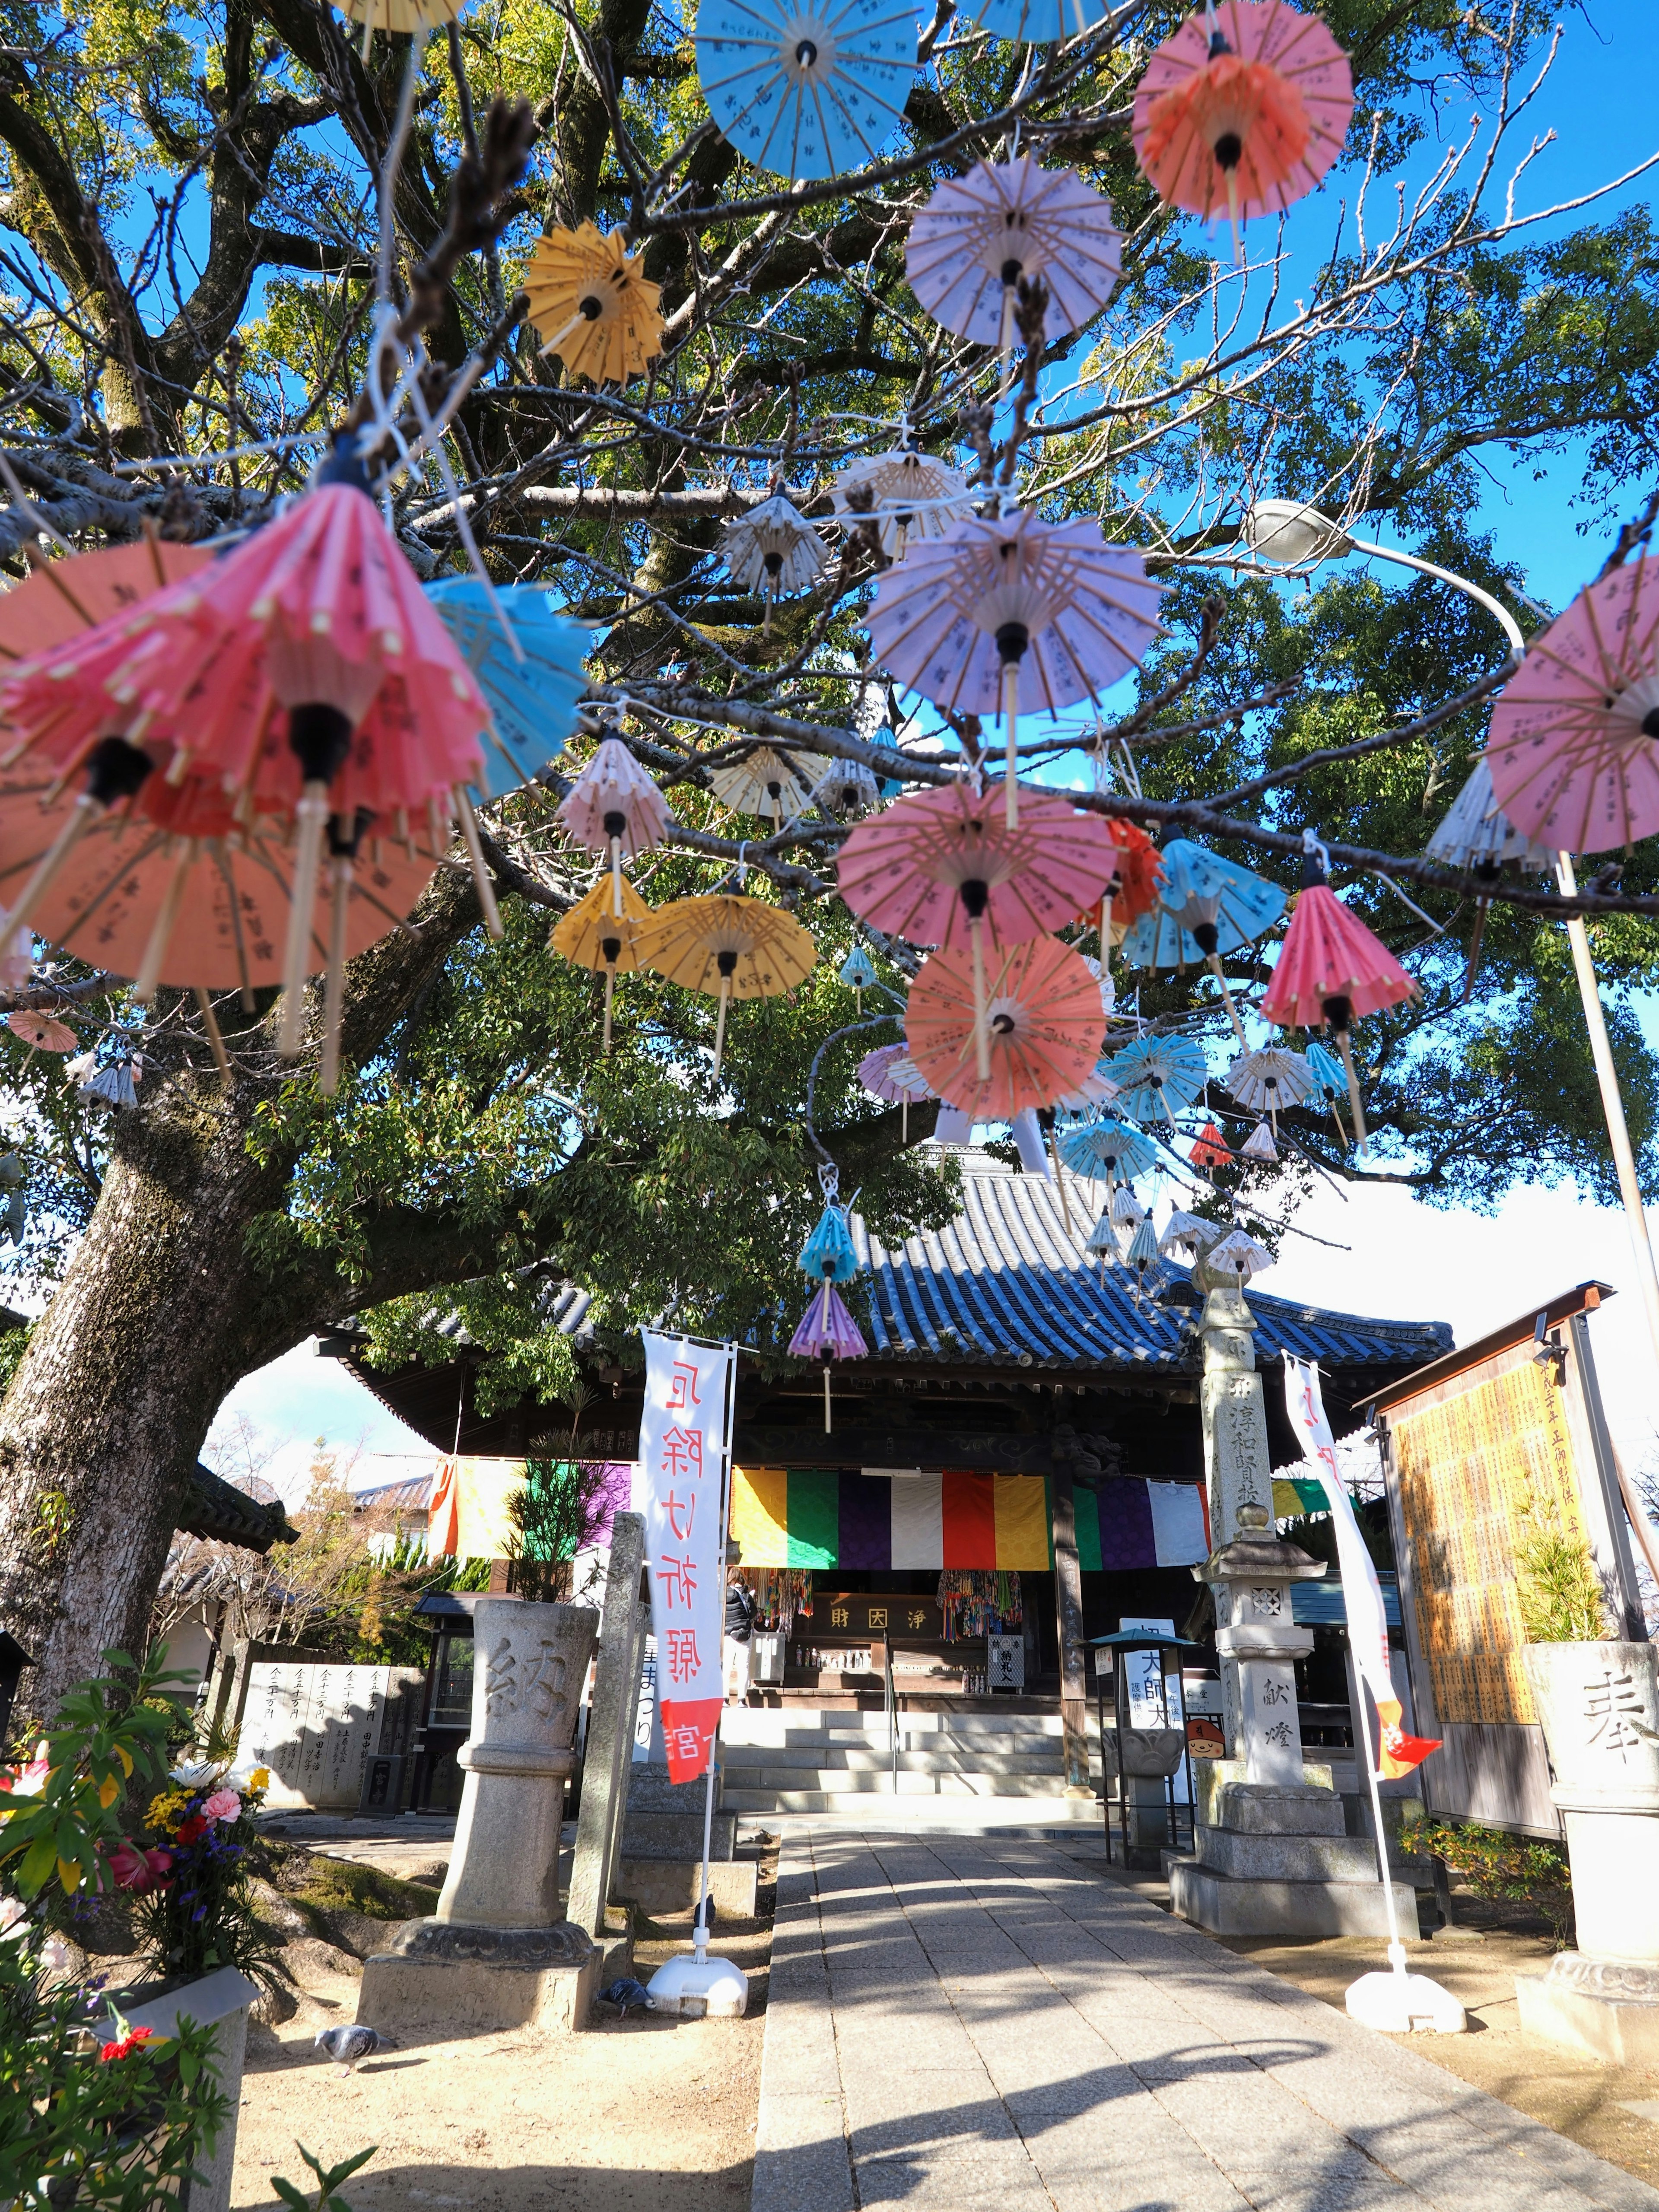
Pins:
<point x="189" y="1871"/>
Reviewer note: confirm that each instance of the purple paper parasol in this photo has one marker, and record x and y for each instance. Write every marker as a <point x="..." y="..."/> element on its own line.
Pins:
<point x="826" y="1330"/>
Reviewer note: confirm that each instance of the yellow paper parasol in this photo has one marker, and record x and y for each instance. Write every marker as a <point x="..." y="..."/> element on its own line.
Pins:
<point x="739" y="948"/>
<point x="591" y="936"/>
<point x="591" y="305"/>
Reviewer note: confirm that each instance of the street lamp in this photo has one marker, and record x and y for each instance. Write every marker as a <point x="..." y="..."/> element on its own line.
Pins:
<point x="1286" y="535"/>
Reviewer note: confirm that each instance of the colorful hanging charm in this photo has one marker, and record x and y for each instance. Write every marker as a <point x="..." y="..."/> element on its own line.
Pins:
<point x="858" y="973"/>
<point x="592" y="304"/>
<point x="1158" y="1076"/>
<point x="1331" y="1081"/>
<point x="614" y="806"/>
<point x="1210" y="1149"/>
<point x="1205" y="907"/>
<point x="1331" y="968"/>
<point x="827" y="1331"/>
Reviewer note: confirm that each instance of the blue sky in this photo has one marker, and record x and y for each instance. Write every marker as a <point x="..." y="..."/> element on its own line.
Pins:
<point x="1375" y="1251"/>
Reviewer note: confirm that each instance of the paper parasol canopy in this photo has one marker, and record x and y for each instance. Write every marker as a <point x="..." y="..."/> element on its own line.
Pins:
<point x="1265" y="1081"/>
<point x="806" y="88"/>
<point x="591" y="303"/>
<point x="1094" y="1090"/>
<point x="729" y="947"/>
<point x="1206" y="905"/>
<point x="909" y="494"/>
<point x="1210" y="1148"/>
<point x="1239" y="1254"/>
<point x="1477" y="835"/>
<point x="614" y="806"/>
<point x="889" y="1073"/>
<point x="591" y="936"/>
<point x="1132" y="888"/>
<point x="846" y="788"/>
<point x="773" y="549"/>
<point x="1574" y="749"/>
<point x="826" y="1331"/>
<point x="767" y="783"/>
<point x="1247" y="119"/>
<point x="1108" y="1148"/>
<point x="532" y="700"/>
<point x="42" y="1034"/>
<point x="1189" y="1233"/>
<point x="1041" y="1029"/>
<point x="1035" y="23"/>
<point x="400" y="18"/>
<point x="59" y="599"/>
<point x="1015" y="615"/>
<point x="1157" y="1076"/>
<point x="980" y="234"/>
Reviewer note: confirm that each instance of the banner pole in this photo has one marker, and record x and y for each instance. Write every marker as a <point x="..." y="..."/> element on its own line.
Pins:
<point x="699" y="1934"/>
<point x="1397" y="1949"/>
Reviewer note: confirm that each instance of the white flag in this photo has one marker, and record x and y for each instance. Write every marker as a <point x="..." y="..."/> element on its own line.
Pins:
<point x="684" y="1443"/>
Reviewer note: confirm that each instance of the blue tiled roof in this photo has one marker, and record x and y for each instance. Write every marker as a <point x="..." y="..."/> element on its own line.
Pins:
<point x="1010" y="1281"/>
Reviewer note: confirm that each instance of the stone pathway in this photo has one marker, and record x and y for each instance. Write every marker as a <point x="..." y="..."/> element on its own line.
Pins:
<point x="983" y="2025"/>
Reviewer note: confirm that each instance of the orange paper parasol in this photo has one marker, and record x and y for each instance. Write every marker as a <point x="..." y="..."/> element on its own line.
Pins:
<point x="731" y="947"/>
<point x="591" y="305"/>
<point x="1042" y="1027"/>
<point x="1245" y="108"/>
<point x="591" y="936"/>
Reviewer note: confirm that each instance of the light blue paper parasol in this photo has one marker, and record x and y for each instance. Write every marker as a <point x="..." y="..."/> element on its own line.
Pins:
<point x="532" y="700"/>
<point x="1157" y="1076"/>
<point x="807" y="90"/>
<point x="1201" y="893"/>
<point x="1094" y="1146"/>
<point x="1037" y="22"/>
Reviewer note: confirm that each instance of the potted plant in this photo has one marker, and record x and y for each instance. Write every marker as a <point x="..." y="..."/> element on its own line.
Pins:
<point x="1597" y="1702"/>
<point x="67" y="1832"/>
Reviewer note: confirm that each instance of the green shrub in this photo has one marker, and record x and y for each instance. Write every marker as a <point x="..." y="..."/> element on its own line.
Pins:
<point x="1519" y="1870"/>
<point x="1556" y="1581"/>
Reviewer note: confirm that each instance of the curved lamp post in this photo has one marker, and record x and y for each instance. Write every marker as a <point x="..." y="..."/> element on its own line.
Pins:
<point x="1285" y="536"/>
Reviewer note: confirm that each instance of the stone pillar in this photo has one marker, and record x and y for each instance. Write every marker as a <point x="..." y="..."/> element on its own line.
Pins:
<point x="495" y="1952"/>
<point x="1238" y="1463"/>
<point x="1068" y="1622"/>
<point x="610" y="1731"/>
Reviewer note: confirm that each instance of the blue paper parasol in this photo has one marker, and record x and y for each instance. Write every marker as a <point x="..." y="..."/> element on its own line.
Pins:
<point x="1094" y="1146"/>
<point x="808" y="89"/>
<point x="1200" y="894"/>
<point x="532" y="700"/>
<point x="1157" y="1076"/>
<point x="1035" y="23"/>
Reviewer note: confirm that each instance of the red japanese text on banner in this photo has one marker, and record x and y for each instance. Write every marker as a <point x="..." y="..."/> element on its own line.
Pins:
<point x="683" y="1445"/>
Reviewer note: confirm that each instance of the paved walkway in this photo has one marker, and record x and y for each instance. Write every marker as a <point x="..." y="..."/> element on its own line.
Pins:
<point x="984" y="2026"/>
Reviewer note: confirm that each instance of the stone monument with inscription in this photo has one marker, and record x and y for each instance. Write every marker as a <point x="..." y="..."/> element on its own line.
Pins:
<point x="1237" y="1464"/>
<point x="1272" y="1855"/>
<point x="496" y="1954"/>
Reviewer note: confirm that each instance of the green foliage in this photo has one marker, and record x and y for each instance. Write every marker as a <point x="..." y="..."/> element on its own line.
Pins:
<point x="327" y="2178"/>
<point x="66" y="1812"/>
<point x="115" y="2122"/>
<point x="1558" y="1589"/>
<point x="558" y="1512"/>
<point x="1494" y="1864"/>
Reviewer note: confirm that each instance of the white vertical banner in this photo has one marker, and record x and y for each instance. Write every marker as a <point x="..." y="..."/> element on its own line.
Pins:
<point x="686" y="1444"/>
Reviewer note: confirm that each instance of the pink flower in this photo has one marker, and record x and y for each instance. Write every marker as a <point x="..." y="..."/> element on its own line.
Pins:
<point x="29" y="1779"/>
<point x="137" y="1870"/>
<point x="223" y="1805"/>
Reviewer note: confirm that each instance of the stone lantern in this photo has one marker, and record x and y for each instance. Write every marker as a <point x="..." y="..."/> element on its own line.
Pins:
<point x="1274" y="1856"/>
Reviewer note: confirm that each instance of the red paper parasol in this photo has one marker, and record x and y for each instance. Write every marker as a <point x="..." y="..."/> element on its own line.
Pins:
<point x="1041" y="1034"/>
<point x="1245" y="108"/>
<point x="1020" y="614"/>
<point x="1574" y="750"/>
<point x="940" y="867"/>
<point x="1210" y="1148"/>
<point x="1330" y="968"/>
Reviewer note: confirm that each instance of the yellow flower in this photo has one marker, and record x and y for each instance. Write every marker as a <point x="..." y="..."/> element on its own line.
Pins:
<point x="260" y="1778"/>
<point x="163" y="1811"/>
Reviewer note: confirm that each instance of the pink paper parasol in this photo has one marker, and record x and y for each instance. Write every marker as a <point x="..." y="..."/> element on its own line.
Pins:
<point x="889" y="1073"/>
<point x="1574" y="750"/>
<point x="42" y="1034"/>
<point x="1245" y="108"/>
<point x="1330" y="968"/>
<point x="1042" y="1031"/>
<point x="942" y="867"/>
<point x="980" y="234"/>
<point x="615" y="807"/>
<point x="996" y="616"/>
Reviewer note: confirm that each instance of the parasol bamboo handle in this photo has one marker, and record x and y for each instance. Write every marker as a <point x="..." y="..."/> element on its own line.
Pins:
<point x="1065" y="1203"/>
<point x="981" y="1035"/>
<point x="1010" y="718"/>
<point x="1232" y="217"/>
<point x="609" y="987"/>
<point x="1232" y="1010"/>
<point x="560" y="336"/>
<point x="904" y="1119"/>
<point x="1469" y="972"/>
<point x="334" y="990"/>
<point x="720" y="1025"/>
<point x="827" y="1431"/>
<point x="87" y="810"/>
<point x="1355" y="1106"/>
<point x="469" y="823"/>
<point x="216" y="1042"/>
<point x="309" y="815"/>
<point x="149" y="967"/>
<point x="616" y="879"/>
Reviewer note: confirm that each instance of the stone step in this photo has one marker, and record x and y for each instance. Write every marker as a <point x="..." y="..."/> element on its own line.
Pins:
<point x="737" y="1758"/>
<point x="963" y="1815"/>
<point x="835" y="1781"/>
<point x="755" y="1722"/>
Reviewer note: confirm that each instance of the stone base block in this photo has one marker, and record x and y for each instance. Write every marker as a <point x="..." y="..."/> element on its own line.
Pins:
<point x="1267" y="1907"/>
<point x="1601" y="2007"/>
<point x="1273" y="1809"/>
<point x="449" y="1978"/>
<point x="1281" y="1856"/>
<point x="677" y="1835"/>
<point x="675" y="1884"/>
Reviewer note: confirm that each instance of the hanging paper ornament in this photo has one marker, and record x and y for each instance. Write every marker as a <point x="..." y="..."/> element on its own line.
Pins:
<point x="889" y="1073"/>
<point x="1127" y="1208"/>
<point x="1142" y="1255"/>
<point x="1095" y="1090"/>
<point x="614" y="806"/>
<point x="1036" y="1031"/>
<point x="112" y="1084"/>
<point x="905" y="495"/>
<point x="592" y="304"/>
<point x="42" y="1034"/>
<point x="1238" y="1255"/>
<point x="1264" y="1081"/>
<point x="846" y="788"/>
<point x="773" y="549"/>
<point x="1330" y="968"/>
<point x="1331" y="1081"/>
<point x="767" y="782"/>
<point x="532" y="698"/>
<point x="1211" y="1149"/>
<point x="1102" y="1243"/>
<point x="728" y="947"/>
<point x="1205" y="907"/>
<point x="858" y="973"/>
<point x="1157" y="1076"/>
<point x="590" y="936"/>
<point x="829" y="1251"/>
<point x="808" y="90"/>
<point x="1478" y="836"/>
<point x="1245" y="108"/>
<point x="826" y="1331"/>
<point x="1259" y="1144"/>
<point x="399" y="19"/>
<point x="1187" y="1233"/>
<point x="1107" y="1147"/>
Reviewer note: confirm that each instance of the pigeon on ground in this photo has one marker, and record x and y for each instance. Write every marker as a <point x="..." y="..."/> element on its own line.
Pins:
<point x="349" y="2046"/>
<point x="627" y="1997"/>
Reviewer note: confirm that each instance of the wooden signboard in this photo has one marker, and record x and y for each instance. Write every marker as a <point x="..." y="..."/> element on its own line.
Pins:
<point x="1479" y="1450"/>
<point x="864" y="1618"/>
